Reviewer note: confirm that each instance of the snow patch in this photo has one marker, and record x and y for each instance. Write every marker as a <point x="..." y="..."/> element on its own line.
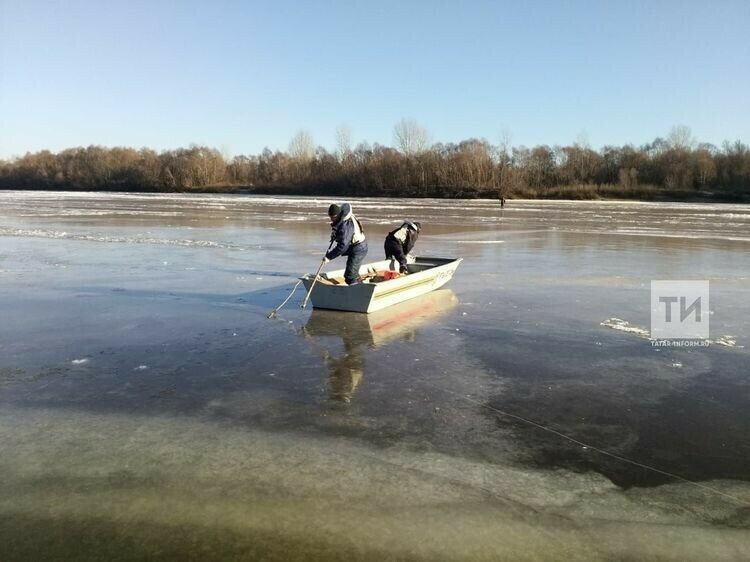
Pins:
<point x="727" y="341"/>
<point x="480" y="241"/>
<point x="57" y="235"/>
<point x="625" y="326"/>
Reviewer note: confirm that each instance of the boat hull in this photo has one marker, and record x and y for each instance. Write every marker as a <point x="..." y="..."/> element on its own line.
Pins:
<point x="426" y="275"/>
<point x="383" y="326"/>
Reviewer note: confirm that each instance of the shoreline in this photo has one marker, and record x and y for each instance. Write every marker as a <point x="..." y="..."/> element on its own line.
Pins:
<point x="563" y="193"/>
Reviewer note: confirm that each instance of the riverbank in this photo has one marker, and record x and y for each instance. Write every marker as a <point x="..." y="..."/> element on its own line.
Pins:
<point x="587" y="192"/>
<point x="581" y="192"/>
<point x="469" y="170"/>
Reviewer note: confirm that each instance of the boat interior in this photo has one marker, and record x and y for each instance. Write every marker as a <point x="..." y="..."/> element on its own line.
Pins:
<point x="379" y="275"/>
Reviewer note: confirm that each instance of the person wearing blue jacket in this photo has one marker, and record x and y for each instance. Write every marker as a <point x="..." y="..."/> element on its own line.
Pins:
<point x="346" y="231"/>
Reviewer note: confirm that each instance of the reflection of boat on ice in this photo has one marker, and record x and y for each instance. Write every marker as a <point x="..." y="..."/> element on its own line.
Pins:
<point x="384" y="325"/>
<point x="346" y="370"/>
<point x="425" y="275"/>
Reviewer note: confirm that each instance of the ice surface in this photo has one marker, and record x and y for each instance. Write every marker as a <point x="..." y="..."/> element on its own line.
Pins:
<point x="157" y="480"/>
<point x="148" y="409"/>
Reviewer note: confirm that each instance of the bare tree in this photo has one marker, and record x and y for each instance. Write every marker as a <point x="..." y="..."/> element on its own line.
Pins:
<point x="681" y="138"/>
<point x="410" y="137"/>
<point x="343" y="141"/>
<point x="226" y="152"/>
<point x="302" y="145"/>
<point x="706" y="167"/>
<point x="582" y="139"/>
<point x="505" y="146"/>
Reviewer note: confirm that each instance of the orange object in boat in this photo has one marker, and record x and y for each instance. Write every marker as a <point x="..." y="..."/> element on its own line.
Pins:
<point x="387" y="275"/>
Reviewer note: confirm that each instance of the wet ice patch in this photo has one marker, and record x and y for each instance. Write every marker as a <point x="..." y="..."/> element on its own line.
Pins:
<point x="657" y="232"/>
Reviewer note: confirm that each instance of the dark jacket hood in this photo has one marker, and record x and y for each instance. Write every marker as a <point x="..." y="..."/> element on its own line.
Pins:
<point x="346" y="210"/>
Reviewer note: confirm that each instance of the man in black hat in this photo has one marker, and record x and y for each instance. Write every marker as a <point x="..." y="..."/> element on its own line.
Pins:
<point x="400" y="242"/>
<point x="350" y="240"/>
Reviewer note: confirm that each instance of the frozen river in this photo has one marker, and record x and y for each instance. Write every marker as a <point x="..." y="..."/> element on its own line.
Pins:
<point x="149" y="410"/>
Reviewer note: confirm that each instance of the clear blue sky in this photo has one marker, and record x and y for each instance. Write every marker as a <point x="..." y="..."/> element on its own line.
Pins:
<point x="243" y="75"/>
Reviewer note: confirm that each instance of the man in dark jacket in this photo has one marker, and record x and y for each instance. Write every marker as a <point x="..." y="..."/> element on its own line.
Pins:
<point x="400" y="242"/>
<point x="350" y="241"/>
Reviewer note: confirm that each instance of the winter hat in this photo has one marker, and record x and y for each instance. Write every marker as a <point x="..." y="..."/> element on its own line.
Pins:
<point x="334" y="210"/>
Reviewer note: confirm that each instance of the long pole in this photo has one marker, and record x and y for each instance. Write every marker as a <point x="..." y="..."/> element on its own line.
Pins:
<point x="275" y="310"/>
<point x="307" y="296"/>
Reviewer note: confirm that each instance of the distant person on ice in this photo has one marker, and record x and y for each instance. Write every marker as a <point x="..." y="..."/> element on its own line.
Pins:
<point x="350" y="241"/>
<point x="400" y="242"/>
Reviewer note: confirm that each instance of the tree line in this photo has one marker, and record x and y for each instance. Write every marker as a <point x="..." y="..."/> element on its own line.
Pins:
<point x="413" y="167"/>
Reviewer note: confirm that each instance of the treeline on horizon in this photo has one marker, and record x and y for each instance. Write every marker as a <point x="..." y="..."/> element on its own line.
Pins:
<point x="676" y="165"/>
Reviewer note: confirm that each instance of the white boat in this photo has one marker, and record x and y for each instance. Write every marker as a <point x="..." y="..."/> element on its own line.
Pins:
<point x="424" y="275"/>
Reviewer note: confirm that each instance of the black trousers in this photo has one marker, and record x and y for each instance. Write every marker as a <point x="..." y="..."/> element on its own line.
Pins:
<point x="394" y="249"/>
